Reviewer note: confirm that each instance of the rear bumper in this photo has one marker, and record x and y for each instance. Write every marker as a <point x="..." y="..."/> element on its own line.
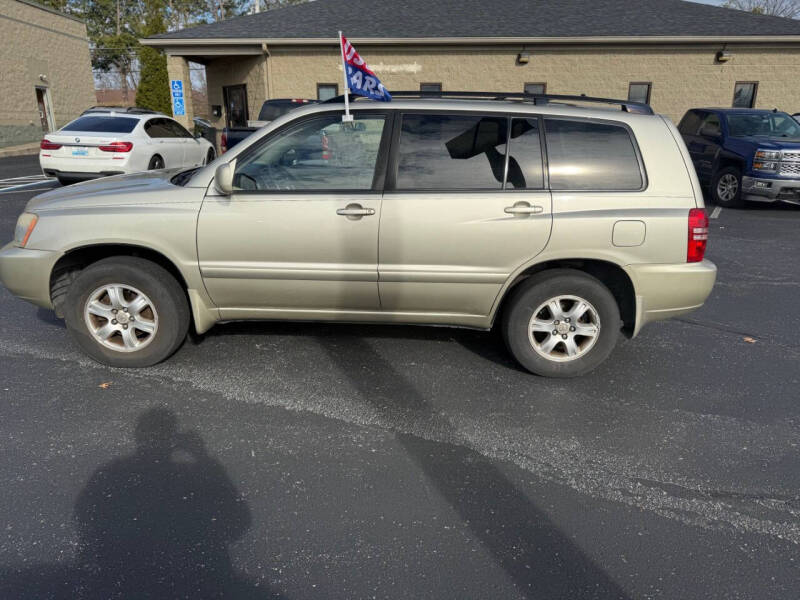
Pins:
<point x="84" y="168"/>
<point x="666" y="291"/>
<point x="761" y="189"/>
<point x="80" y="175"/>
<point x="26" y="273"/>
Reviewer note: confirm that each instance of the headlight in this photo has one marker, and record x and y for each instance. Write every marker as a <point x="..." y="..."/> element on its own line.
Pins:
<point x="24" y="228"/>
<point x="762" y="155"/>
<point x="765" y="165"/>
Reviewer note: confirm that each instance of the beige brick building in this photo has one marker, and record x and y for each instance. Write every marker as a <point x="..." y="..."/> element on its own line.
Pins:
<point x="45" y="71"/>
<point x="674" y="54"/>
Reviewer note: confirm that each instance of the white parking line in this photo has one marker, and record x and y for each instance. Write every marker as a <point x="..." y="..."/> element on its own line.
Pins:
<point x="715" y="212"/>
<point x="45" y="184"/>
<point x="37" y="177"/>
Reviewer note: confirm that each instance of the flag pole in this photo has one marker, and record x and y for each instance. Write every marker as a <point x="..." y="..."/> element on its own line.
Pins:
<point x="346" y="117"/>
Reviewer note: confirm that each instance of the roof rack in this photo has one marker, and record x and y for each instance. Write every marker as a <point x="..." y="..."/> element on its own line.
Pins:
<point x="134" y="110"/>
<point x="625" y="105"/>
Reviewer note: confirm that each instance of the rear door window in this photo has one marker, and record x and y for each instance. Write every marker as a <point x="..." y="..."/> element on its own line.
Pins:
<point x="525" y="156"/>
<point x="591" y="156"/>
<point x="690" y="123"/>
<point x="158" y="128"/>
<point x="451" y="152"/>
<point x="100" y="124"/>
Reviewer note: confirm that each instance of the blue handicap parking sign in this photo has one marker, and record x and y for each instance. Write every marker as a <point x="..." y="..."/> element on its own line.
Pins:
<point x="178" y="108"/>
<point x="176" y="85"/>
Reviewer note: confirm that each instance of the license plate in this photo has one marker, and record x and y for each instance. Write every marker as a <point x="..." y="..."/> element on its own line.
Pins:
<point x="80" y="152"/>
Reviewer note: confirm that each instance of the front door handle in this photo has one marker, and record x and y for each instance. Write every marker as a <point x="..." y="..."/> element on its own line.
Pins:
<point x="523" y="208"/>
<point x="355" y="211"/>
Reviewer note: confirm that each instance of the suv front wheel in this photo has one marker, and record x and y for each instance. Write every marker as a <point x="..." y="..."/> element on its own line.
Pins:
<point x="561" y="323"/>
<point x="126" y="312"/>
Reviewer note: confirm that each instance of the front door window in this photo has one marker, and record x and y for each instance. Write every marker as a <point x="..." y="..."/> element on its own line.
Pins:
<point x="322" y="153"/>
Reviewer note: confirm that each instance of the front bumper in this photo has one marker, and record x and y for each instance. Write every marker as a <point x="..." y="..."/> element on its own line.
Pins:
<point x="26" y="273"/>
<point x="664" y="291"/>
<point x="762" y="189"/>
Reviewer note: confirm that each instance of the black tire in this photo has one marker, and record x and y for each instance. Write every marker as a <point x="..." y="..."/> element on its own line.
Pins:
<point x="538" y="289"/>
<point x="734" y="202"/>
<point x="156" y="283"/>
<point x="155" y="163"/>
<point x="210" y="156"/>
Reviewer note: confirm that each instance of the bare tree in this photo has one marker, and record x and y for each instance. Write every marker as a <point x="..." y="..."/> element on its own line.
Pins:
<point x="777" y="8"/>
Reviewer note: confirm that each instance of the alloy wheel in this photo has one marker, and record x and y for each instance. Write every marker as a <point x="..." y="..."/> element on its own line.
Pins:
<point x="564" y="328"/>
<point x="120" y="317"/>
<point x="727" y="187"/>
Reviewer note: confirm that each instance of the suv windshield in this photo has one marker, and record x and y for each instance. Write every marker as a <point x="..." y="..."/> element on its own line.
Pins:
<point x="763" y="124"/>
<point x="102" y="124"/>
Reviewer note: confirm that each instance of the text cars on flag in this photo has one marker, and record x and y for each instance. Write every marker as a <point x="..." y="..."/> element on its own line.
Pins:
<point x="358" y="76"/>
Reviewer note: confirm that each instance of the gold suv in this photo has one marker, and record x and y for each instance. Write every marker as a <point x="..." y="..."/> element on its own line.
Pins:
<point x="562" y="223"/>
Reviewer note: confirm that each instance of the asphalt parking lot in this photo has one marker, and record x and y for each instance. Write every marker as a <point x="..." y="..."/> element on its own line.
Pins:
<point x="328" y="461"/>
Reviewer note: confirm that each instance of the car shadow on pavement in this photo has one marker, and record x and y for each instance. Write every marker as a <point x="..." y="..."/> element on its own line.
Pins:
<point x="538" y="557"/>
<point x="155" y="524"/>
<point x="488" y="345"/>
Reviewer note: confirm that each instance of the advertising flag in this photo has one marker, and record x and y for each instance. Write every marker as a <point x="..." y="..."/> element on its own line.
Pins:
<point x="358" y="76"/>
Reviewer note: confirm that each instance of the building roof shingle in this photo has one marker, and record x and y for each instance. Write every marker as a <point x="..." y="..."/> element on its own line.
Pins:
<point x="366" y="19"/>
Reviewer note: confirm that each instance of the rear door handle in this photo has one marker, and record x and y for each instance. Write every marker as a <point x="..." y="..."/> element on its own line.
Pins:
<point x="355" y="211"/>
<point x="523" y="208"/>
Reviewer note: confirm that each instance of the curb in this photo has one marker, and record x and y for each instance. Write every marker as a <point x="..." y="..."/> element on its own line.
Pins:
<point x="19" y="150"/>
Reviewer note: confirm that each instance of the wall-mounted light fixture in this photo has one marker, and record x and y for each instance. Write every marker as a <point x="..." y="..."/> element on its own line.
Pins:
<point x="43" y="77"/>
<point x="723" y="56"/>
<point x="524" y="57"/>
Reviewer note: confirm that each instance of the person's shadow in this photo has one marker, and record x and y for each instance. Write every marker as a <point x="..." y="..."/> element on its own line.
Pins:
<point x="158" y="523"/>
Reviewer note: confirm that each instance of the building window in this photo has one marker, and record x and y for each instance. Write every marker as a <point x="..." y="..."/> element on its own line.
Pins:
<point x="744" y="94"/>
<point x="326" y="91"/>
<point x="430" y="88"/>
<point x="535" y="88"/>
<point x="639" y="91"/>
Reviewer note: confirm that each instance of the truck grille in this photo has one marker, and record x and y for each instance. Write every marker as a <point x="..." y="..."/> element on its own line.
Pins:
<point x="791" y="156"/>
<point x="790" y="168"/>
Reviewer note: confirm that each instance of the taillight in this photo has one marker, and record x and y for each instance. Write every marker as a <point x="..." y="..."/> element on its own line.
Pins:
<point x="223" y="143"/>
<point x="698" y="235"/>
<point x="326" y="150"/>
<point x="48" y="145"/>
<point x="117" y="147"/>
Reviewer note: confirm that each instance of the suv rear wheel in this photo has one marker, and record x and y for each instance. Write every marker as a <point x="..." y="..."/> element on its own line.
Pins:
<point x="127" y="312"/>
<point x="561" y="323"/>
<point x="726" y="188"/>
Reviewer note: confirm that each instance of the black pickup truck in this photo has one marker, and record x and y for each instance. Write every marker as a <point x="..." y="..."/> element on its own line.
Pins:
<point x="270" y="110"/>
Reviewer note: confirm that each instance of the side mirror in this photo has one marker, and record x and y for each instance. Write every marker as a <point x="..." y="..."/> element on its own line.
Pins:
<point x="223" y="178"/>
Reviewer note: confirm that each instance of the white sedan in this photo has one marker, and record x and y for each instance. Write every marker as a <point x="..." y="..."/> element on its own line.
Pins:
<point x="111" y="141"/>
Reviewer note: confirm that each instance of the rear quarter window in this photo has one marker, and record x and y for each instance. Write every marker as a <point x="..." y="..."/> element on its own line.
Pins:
<point x="102" y="124"/>
<point x="591" y="156"/>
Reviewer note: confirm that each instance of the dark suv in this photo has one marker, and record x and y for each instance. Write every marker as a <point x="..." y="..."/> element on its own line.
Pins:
<point x="744" y="154"/>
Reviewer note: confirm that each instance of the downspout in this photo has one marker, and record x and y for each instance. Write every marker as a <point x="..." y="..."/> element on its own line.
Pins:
<point x="267" y="70"/>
